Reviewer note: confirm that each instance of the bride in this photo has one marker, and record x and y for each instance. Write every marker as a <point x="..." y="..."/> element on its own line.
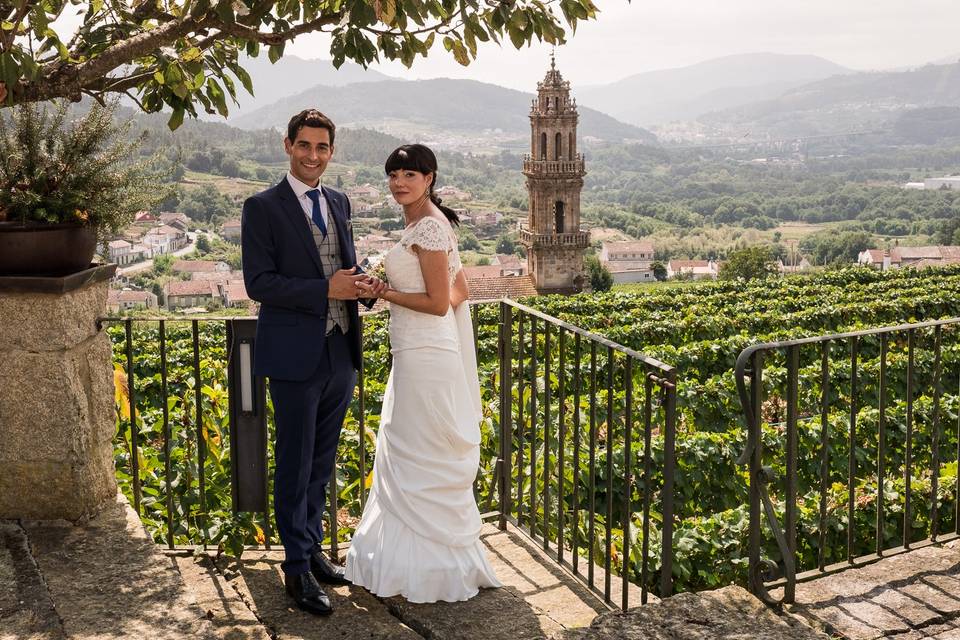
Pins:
<point x="419" y="534"/>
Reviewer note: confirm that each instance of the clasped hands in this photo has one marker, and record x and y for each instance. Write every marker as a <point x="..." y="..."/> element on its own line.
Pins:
<point x="346" y="284"/>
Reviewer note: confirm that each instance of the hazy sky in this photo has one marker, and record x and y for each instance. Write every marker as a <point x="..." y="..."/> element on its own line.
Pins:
<point x="654" y="34"/>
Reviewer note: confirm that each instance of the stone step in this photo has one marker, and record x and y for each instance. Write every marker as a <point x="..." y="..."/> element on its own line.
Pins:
<point x="101" y="579"/>
<point x="730" y="613"/>
<point x="914" y="594"/>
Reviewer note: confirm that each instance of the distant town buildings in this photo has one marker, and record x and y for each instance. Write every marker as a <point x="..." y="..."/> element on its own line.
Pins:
<point x="916" y="257"/>
<point x="364" y="192"/>
<point x="449" y="192"/>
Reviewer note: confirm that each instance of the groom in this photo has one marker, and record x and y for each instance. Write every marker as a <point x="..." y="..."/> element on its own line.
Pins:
<point x="299" y="262"/>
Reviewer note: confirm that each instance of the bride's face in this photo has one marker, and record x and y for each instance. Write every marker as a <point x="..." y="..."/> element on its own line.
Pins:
<point x="408" y="186"/>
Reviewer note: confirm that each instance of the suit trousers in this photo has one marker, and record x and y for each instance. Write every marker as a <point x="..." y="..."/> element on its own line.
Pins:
<point x="309" y="415"/>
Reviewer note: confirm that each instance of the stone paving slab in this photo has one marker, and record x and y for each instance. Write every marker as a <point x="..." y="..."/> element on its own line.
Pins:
<point x="730" y="613"/>
<point x="537" y="598"/>
<point x="914" y="594"/>
<point x="26" y="611"/>
<point x="108" y="580"/>
<point x="357" y="614"/>
<point x="218" y="599"/>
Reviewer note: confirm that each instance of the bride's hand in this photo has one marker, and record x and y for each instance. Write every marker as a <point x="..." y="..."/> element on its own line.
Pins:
<point x="372" y="287"/>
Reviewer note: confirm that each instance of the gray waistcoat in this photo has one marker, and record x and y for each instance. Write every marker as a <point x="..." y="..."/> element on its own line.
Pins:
<point x="329" y="250"/>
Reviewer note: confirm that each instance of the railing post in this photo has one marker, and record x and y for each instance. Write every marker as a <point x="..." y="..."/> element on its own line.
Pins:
<point x="505" y="349"/>
<point x="669" y="469"/>
<point x="756" y="459"/>
<point x="793" y="367"/>
<point x="248" y="420"/>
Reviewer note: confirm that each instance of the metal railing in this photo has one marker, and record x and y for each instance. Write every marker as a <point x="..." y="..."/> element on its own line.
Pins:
<point x="572" y="419"/>
<point x="876" y="396"/>
<point x="571" y="405"/>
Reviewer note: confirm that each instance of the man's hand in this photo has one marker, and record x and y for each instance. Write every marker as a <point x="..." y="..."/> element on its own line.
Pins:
<point x="343" y="284"/>
<point x="372" y="287"/>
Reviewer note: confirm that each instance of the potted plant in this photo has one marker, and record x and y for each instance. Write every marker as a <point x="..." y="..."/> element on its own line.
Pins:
<point x="67" y="184"/>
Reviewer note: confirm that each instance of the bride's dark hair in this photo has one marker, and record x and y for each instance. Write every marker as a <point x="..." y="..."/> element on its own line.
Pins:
<point x="419" y="158"/>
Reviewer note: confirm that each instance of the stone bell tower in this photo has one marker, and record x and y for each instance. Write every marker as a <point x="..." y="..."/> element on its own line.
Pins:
<point x="554" y="170"/>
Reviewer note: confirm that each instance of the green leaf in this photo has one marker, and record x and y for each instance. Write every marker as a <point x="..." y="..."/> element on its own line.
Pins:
<point x="516" y="36"/>
<point x="190" y="54"/>
<point x="460" y="53"/>
<point x="243" y="77"/>
<point x="275" y="52"/>
<point x="176" y="119"/>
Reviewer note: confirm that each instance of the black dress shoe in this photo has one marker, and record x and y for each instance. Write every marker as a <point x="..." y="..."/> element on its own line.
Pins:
<point x="307" y="593"/>
<point x="324" y="570"/>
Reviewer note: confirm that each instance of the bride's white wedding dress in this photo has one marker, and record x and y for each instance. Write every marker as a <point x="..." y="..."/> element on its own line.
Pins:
<point x="419" y="534"/>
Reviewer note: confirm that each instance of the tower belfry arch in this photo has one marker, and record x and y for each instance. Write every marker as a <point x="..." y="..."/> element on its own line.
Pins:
<point x="554" y="170"/>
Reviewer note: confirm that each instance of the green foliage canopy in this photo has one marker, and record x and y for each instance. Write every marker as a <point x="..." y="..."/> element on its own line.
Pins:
<point x="752" y="263"/>
<point x="186" y="53"/>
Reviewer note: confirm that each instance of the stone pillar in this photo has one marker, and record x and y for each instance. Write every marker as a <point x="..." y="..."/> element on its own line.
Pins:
<point x="56" y="397"/>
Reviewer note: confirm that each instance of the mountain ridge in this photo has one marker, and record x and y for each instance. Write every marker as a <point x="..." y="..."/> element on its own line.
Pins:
<point x="433" y="107"/>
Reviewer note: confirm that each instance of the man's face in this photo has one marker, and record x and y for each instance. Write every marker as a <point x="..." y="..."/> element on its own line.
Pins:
<point x="309" y="154"/>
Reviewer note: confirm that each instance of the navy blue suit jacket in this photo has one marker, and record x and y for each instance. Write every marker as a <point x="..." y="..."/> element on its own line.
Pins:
<point x="282" y="271"/>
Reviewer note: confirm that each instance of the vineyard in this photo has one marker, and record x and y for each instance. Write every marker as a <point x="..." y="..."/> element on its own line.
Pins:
<point x="699" y="330"/>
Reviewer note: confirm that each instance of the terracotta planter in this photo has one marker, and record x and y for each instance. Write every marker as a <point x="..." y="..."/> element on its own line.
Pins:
<point x="45" y="249"/>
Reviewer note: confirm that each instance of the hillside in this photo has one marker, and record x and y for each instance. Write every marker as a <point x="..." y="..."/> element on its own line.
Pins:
<point x="435" y="110"/>
<point x="684" y="93"/>
<point x="857" y="102"/>
<point x="289" y="75"/>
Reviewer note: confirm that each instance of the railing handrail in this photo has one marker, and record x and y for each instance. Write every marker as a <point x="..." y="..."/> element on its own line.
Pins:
<point x="668" y="370"/>
<point x="767" y="346"/>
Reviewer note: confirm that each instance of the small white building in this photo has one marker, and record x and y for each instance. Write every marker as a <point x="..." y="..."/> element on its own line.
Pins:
<point x="231" y="230"/>
<point x="698" y="269"/>
<point x="364" y="192"/>
<point x="127" y="299"/>
<point x="165" y="239"/>
<point x="628" y="261"/>
<point x="946" y="182"/>
<point x="510" y="265"/>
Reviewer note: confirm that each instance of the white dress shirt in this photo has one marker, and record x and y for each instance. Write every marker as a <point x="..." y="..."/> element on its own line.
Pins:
<point x="300" y="190"/>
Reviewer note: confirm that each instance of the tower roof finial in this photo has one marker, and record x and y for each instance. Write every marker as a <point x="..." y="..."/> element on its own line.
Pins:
<point x="553" y="61"/>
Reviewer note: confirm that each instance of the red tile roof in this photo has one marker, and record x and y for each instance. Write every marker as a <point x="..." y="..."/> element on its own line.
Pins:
<point x="483" y="271"/>
<point x="191" y="266"/>
<point x="500" y="287"/>
<point x="191" y="288"/>
<point x="644" y="246"/>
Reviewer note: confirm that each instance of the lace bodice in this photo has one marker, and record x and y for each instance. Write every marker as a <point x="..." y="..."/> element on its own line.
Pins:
<point x="408" y="328"/>
<point x="402" y="263"/>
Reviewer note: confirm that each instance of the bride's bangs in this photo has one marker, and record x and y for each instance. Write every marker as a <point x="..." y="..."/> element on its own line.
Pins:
<point x="405" y="159"/>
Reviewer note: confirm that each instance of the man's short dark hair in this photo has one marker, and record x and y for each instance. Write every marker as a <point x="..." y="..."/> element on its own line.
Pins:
<point x="310" y="118"/>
